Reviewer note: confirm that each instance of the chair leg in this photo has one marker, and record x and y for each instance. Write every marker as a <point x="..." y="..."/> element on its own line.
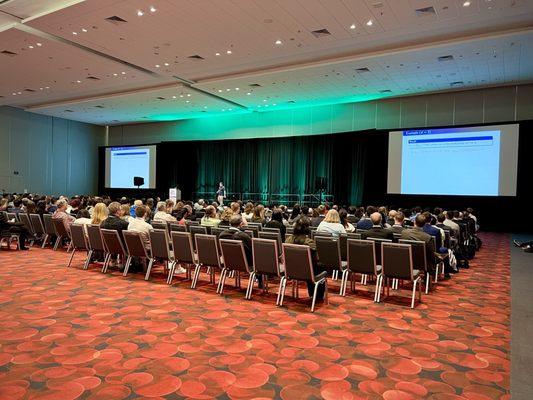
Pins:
<point x="314" y="297"/>
<point x="344" y="278"/>
<point x="420" y="290"/>
<point x="195" y="276"/>
<point x="376" y="292"/>
<point x="106" y="260"/>
<point x="428" y="278"/>
<point x="69" y="246"/>
<point x="127" y="266"/>
<point x="149" y="269"/>
<point x="250" y="287"/>
<point x="56" y="244"/>
<point x="437" y="274"/>
<point x="88" y="260"/>
<point x="45" y="240"/>
<point x="414" y="292"/>
<point x="71" y="257"/>
<point x="362" y="278"/>
<point x="326" y="294"/>
<point x="220" y="286"/>
<point x="379" y="283"/>
<point x="282" y="287"/>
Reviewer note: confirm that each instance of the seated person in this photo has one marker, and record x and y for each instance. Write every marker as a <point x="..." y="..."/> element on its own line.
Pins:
<point x="210" y="217"/>
<point x="139" y="224"/>
<point x="235" y="232"/>
<point x="302" y="235"/>
<point x="259" y="214"/>
<point x="162" y="213"/>
<point x="343" y="215"/>
<point x="277" y="222"/>
<point x="83" y="217"/>
<point x="365" y="222"/>
<point x="331" y="224"/>
<point x="183" y="214"/>
<point x="417" y="233"/>
<point x="114" y="220"/>
<point x="13" y="227"/>
<point x="399" y="218"/>
<point x="377" y="231"/>
<point x="61" y="213"/>
<point x="225" y="217"/>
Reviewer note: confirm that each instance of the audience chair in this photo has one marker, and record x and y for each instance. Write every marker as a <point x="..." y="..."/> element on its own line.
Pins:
<point x="418" y="250"/>
<point x="235" y="260"/>
<point x="49" y="229"/>
<point x="79" y="242"/>
<point x="397" y="263"/>
<point x="322" y="234"/>
<point x="329" y="255"/>
<point x="95" y="242"/>
<point x="61" y="232"/>
<point x="257" y="225"/>
<point x="361" y="260"/>
<point x="289" y="230"/>
<point x="274" y="236"/>
<point x="254" y="228"/>
<point x="275" y="230"/>
<point x="299" y="267"/>
<point x="38" y="227"/>
<point x="135" y="247"/>
<point x="25" y="219"/>
<point x="196" y="229"/>
<point x="12" y="216"/>
<point x="397" y="237"/>
<point x="266" y="261"/>
<point x="191" y="223"/>
<point x="113" y="245"/>
<point x="217" y="231"/>
<point x="184" y="255"/>
<point x="159" y="225"/>
<point x="160" y="251"/>
<point x="377" y="243"/>
<point x="206" y="246"/>
<point x="175" y="227"/>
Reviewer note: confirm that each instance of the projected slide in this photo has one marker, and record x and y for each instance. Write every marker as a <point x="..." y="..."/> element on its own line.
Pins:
<point x="125" y="163"/>
<point x="474" y="161"/>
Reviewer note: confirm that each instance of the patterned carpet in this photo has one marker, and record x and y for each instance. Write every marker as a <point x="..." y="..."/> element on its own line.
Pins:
<point x="75" y="334"/>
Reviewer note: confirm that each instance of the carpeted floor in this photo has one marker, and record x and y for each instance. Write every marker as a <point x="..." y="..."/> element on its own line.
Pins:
<point x="67" y="334"/>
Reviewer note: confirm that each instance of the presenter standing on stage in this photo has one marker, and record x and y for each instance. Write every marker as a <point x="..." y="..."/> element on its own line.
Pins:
<point x="221" y="194"/>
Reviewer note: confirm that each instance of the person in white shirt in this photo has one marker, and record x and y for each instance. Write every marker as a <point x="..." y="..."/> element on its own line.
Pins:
<point x="140" y="225"/>
<point x="332" y="224"/>
<point x="162" y="214"/>
<point x="449" y="222"/>
<point x="83" y="218"/>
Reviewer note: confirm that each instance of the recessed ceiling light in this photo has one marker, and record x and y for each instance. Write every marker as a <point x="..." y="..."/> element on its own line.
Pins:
<point x="227" y="90"/>
<point x="14" y="94"/>
<point x="123" y="73"/>
<point x="173" y="97"/>
<point x="278" y="42"/>
<point x="115" y="74"/>
<point x="74" y="33"/>
<point x="248" y="94"/>
<point x="41" y="88"/>
<point x="153" y="9"/>
<point x="187" y="101"/>
<point x="19" y="92"/>
<point x="219" y="90"/>
<point x="30" y="46"/>
<point x="47" y="87"/>
<point x="230" y="109"/>
<point x="83" y="30"/>
<point x="181" y="95"/>
<point x="157" y="65"/>
<point x="140" y="13"/>
<point x="369" y="22"/>
<point x="78" y="81"/>
<point x="466" y="4"/>
<point x="228" y="52"/>
<point x="352" y="26"/>
<point x="167" y="64"/>
<point x="264" y="100"/>
<point x="188" y="95"/>
<point x="274" y="104"/>
<point x="39" y="44"/>
<point x="237" y="88"/>
<point x="266" y="105"/>
<point x="217" y="54"/>
<point x="205" y="106"/>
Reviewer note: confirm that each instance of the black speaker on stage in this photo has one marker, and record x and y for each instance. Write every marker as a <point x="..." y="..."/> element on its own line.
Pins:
<point x="138" y="181"/>
<point x="321" y="183"/>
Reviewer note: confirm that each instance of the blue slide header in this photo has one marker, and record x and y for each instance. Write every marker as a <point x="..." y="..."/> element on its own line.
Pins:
<point x="455" y="139"/>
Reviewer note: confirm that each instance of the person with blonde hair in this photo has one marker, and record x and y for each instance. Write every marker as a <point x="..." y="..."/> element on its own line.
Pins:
<point x="332" y="224"/>
<point x="99" y="213"/>
<point x="210" y="217"/>
<point x="126" y="213"/>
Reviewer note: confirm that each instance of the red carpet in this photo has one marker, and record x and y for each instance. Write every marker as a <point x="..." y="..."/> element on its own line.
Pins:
<point x="68" y="334"/>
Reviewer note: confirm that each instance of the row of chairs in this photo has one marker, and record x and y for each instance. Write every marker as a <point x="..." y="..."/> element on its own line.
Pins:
<point x="385" y="261"/>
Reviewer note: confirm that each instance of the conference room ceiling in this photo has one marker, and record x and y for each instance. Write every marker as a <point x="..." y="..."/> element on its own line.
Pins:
<point x="298" y="52"/>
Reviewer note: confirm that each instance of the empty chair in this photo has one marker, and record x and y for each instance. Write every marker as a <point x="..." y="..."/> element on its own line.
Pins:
<point x="266" y="260"/>
<point x="159" y="249"/>
<point x="159" y="224"/>
<point x="196" y="229"/>
<point x="361" y="260"/>
<point x="272" y="235"/>
<point x="418" y="250"/>
<point x="254" y="229"/>
<point x="113" y="245"/>
<point x="25" y="219"/>
<point x="175" y="227"/>
<point x="61" y="232"/>
<point x="191" y="223"/>
<point x="184" y="255"/>
<point x="134" y="248"/>
<point x="79" y="242"/>
<point x="38" y="227"/>
<point x="95" y="242"/>
<point x="329" y="255"/>
<point x="377" y="244"/>
<point x="397" y="263"/>
<point x="206" y="246"/>
<point x="49" y="228"/>
<point x="235" y="260"/>
<point x="299" y="266"/>
<point x="353" y="235"/>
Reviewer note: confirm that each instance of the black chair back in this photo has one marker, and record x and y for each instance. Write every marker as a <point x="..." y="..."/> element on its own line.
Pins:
<point x="206" y="246"/>
<point x="362" y="256"/>
<point x="77" y="235"/>
<point x="25" y="219"/>
<point x="196" y="229"/>
<point x="37" y="223"/>
<point x="298" y="262"/>
<point x="112" y="242"/>
<point x="217" y="231"/>
<point x="397" y="261"/>
<point x="182" y="244"/>
<point x="329" y="253"/>
<point x="134" y="244"/>
<point x="275" y="230"/>
<point x="273" y="236"/>
<point x="95" y="238"/>
<point x="234" y="255"/>
<point x="266" y="256"/>
<point x="377" y="243"/>
<point x="11" y="216"/>
<point x="159" y="244"/>
<point x="175" y="227"/>
<point x="418" y="250"/>
<point x="49" y="225"/>
<point x="59" y="227"/>
<point x="322" y="234"/>
<point x="159" y="224"/>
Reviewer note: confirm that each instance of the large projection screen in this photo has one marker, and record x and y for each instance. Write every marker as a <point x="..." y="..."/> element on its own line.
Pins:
<point x="472" y="161"/>
<point x="122" y="164"/>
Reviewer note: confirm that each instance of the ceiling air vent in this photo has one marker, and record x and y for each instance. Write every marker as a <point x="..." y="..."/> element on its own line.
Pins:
<point x="29" y="90"/>
<point x="457" y="83"/>
<point x="291" y="102"/>
<point x="362" y="70"/>
<point x="255" y="85"/>
<point x="445" y="58"/>
<point x="93" y="78"/>
<point x="116" y="20"/>
<point x="9" y="53"/>
<point x="196" y="57"/>
<point x="320" y="33"/>
<point x="161" y="98"/>
<point x="99" y="106"/>
<point x="385" y="91"/>
<point x="421" y="12"/>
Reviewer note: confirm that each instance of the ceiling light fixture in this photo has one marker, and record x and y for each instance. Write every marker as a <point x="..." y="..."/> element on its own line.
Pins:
<point x="39" y="44"/>
<point x="47" y="87"/>
<point x="466" y="4"/>
<point x="187" y="101"/>
<point x="217" y="54"/>
<point x="153" y="9"/>
<point x="228" y="52"/>
<point x="237" y="88"/>
<point x="227" y="90"/>
<point x="115" y="74"/>
<point x="173" y="97"/>
<point x="219" y="90"/>
<point x="167" y="64"/>
<point x="140" y="13"/>
<point x="74" y="33"/>
<point x="188" y="95"/>
<point x="352" y="26"/>
<point x="78" y="81"/>
<point x="248" y="94"/>
<point x="30" y="46"/>
<point x="278" y="42"/>
<point x="181" y="95"/>
<point x="157" y="65"/>
<point x="19" y="92"/>
<point x="84" y="30"/>
<point x="123" y="73"/>
<point x="369" y="22"/>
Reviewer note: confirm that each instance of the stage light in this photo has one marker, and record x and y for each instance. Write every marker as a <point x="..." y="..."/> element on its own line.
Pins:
<point x="74" y="33"/>
<point x="30" y="47"/>
<point x="123" y="73"/>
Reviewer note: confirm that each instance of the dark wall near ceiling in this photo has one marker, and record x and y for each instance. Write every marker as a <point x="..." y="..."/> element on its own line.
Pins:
<point x="354" y="163"/>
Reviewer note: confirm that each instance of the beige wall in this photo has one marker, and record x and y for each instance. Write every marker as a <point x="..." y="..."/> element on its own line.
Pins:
<point x="502" y="104"/>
